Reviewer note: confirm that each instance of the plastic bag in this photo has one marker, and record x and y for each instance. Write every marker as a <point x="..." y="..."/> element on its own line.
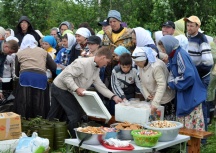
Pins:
<point x="32" y="144"/>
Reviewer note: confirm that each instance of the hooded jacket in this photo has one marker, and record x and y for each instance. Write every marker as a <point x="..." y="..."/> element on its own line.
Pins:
<point x="183" y="77"/>
<point x="19" y="34"/>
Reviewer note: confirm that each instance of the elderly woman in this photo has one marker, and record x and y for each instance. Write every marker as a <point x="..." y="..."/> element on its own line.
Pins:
<point x="32" y="95"/>
<point x="153" y="74"/>
<point x="185" y="79"/>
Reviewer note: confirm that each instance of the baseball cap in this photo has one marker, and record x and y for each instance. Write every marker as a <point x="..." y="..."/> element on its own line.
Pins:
<point x="103" y="23"/>
<point x="194" y="19"/>
<point x="169" y="24"/>
<point x="94" y="40"/>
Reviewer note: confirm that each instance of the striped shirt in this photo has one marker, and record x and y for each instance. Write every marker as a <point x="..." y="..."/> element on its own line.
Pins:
<point x="200" y="53"/>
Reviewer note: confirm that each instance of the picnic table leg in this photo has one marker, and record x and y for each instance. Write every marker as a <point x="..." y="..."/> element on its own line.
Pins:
<point x="194" y="145"/>
<point x="183" y="147"/>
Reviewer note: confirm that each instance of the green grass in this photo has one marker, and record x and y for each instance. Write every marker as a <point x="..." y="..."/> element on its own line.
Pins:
<point x="210" y="147"/>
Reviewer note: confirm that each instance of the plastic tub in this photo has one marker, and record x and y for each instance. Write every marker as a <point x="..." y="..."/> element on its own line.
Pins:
<point x="168" y="134"/>
<point x="145" y="140"/>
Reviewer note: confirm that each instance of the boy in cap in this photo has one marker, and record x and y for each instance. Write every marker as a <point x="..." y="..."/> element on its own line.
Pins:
<point x="93" y="44"/>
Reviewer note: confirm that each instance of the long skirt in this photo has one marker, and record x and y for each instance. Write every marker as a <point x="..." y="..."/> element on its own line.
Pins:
<point x="32" y="102"/>
<point x="194" y="120"/>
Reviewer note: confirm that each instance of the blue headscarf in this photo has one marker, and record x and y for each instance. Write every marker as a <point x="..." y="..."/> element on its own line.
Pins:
<point x="121" y="50"/>
<point x="51" y="40"/>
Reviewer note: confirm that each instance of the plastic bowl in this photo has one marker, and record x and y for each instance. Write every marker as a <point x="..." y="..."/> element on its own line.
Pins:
<point x="123" y="134"/>
<point x="145" y="140"/>
<point x="111" y="135"/>
<point x="168" y="134"/>
<point x="91" y="139"/>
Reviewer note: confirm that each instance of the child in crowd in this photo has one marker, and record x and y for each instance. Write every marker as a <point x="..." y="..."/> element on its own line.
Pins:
<point x="119" y="51"/>
<point x="124" y="78"/>
<point x="49" y="44"/>
<point x="63" y="57"/>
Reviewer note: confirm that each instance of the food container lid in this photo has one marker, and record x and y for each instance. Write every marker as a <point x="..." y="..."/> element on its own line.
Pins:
<point x="93" y="105"/>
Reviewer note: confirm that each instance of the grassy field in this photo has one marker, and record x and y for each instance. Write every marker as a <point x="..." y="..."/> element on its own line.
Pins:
<point x="211" y="142"/>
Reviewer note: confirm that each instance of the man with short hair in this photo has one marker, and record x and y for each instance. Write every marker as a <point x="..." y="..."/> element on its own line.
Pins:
<point x="6" y="48"/>
<point x="168" y="28"/>
<point x="200" y="53"/>
<point x="77" y="77"/>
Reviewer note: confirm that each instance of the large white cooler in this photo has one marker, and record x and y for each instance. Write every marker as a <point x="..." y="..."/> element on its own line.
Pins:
<point x="136" y="112"/>
<point x="93" y="105"/>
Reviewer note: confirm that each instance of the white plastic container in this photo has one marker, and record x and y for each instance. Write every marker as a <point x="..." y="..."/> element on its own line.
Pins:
<point x="135" y="112"/>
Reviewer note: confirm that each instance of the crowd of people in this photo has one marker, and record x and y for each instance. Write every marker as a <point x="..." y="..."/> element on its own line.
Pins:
<point x="172" y="70"/>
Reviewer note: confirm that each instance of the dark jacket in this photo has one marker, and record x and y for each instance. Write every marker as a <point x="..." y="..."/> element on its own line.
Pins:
<point x="2" y="61"/>
<point x="19" y="34"/>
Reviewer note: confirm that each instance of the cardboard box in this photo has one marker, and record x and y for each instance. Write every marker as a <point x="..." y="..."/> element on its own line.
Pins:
<point x="10" y="126"/>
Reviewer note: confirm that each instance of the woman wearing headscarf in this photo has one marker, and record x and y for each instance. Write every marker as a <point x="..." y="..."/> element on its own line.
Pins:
<point x="180" y="34"/>
<point x="153" y="75"/>
<point x="184" y="78"/>
<point x="64" y="55"/>
<point x="32" y="94"/>
<point x="82" y="35"/>
<point x="49" y="44"/>
<point x="119" y="51"/>
<point x="142" y="38"/>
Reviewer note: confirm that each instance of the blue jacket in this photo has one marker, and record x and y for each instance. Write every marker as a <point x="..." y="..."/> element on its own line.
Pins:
<point x="184" y="78"/>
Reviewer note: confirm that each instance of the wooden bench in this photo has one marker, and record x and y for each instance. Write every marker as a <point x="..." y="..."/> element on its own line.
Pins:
<point x="196" y="136"/>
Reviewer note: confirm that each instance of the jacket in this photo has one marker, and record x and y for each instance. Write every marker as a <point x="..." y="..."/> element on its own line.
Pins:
<point x="154" y="82"/>
<point x="82" y="73"/>
<point x="124" y="84"/>
<point x="2" y="61"/>
<point x="125" y="40"/>
<point x="19" y="34"/>
<point x="184" y="78"/>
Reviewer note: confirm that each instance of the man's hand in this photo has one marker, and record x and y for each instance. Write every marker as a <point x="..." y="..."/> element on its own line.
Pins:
<point x="1" y="96"/>
<point x="150" y="97"/>
<point x="117" y="99"/>
<point x="79" y="91"/>
<point x="153" y="109"/>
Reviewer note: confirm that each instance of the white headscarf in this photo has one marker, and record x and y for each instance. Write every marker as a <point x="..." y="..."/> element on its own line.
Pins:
<point x="11" y="32"/>
<point x="143" y="37"/>
<point x="143" y="53"/>
<point x="12" y="38"/>
<point x="28" y="41"/>
<point x="71" y="40"/>
<point x="83" y="32"/>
